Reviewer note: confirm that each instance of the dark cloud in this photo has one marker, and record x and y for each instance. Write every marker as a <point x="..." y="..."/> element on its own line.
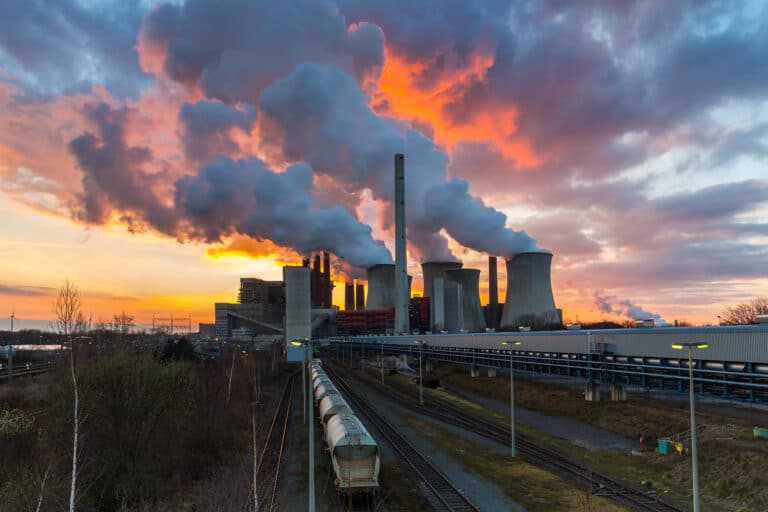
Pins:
<point x="226" y="197"/>
<point x="63" y="46"/>
<point x="115" y="176"/>
<point x="27" y="291"/>
<point x="206" y="128"/>
<point x="234" y="49"/>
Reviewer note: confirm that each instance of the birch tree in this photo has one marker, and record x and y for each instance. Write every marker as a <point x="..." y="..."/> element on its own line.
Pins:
<point x="70" y="321"/>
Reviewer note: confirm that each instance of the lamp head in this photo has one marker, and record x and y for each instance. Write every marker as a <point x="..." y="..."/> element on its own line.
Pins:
<point x="297" y="343"/>
<point x="677" y="346"/>
<point x="702" y="345"/>
<point x="505" y="343"/>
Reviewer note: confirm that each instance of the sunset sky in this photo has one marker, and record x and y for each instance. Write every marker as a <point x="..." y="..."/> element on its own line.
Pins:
<point x="153" y="153"/>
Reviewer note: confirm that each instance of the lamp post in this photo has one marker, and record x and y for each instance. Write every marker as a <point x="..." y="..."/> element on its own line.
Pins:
<point x="308" y="391"/>
<point x="694" y="458"/>
<point x="513" y="449"/>
<point x="381" y="360"/>
<point x="421" y="344"/>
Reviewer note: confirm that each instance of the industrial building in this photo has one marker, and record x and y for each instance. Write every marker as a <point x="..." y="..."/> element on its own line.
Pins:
<point x="259" y="311"/>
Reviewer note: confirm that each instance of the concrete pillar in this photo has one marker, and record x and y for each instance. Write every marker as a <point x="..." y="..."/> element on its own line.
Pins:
<point x="491" y="372"/>
<point x="618" y="393"/>
<point x="428" y="365"/>
<point x="474" y="372"/>
<point x="592" y="392"/>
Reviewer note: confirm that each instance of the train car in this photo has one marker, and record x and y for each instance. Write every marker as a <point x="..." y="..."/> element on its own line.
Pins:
<point x="354" y="455"/>
<point x="332" y="405"/>
<point x="323" y="389"/>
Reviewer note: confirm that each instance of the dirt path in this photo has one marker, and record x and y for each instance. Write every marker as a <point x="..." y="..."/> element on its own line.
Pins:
<point x="579" y="433"/>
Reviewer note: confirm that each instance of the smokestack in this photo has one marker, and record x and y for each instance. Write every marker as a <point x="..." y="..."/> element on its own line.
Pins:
<point x="316" y="283"/>
<point x="401" y="263"/>
<point x="305" y="262"/>
<point x="327" y="285"/>
<point x="349" y="296"/>
<point x="493" y="293"/>
<point x="359" y="296"/>
<point x="469" y="279"/>
<point x="529" y="291"/>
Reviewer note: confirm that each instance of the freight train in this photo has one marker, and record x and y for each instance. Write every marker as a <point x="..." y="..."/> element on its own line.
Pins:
<point x="353" y="451"/>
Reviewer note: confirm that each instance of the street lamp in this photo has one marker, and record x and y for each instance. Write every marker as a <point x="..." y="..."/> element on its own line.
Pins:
<point x="513" y="449"/>
<point x="421" y="344"/>
<point x="308" y="391"/>
<point x="694" y="459"/>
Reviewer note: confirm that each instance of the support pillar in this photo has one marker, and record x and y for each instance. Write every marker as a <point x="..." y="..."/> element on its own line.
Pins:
<point x="474" y="372"/>
<point x="618" y="393"/>
<point x="428" y="365"/>
<point x="592" y="392"/>
<point x="491" y="372"/>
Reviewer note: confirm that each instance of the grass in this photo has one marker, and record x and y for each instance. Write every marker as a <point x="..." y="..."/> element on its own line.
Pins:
<point x="532" y="487"/>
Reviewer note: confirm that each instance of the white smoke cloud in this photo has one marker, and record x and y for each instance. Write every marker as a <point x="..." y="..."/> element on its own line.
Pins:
<point x="611" y="304"/>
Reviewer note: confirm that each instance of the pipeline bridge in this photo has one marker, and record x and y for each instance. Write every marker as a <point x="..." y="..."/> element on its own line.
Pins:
<point x="734" y="366"/>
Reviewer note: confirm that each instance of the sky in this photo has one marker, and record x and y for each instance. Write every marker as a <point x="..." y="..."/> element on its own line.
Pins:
<point x="153" y="152"/>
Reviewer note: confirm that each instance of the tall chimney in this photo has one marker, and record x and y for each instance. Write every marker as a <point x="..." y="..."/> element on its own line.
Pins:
<point x="305" y="262"/>
<point x="327" y="285"/>
<point x="493" y="293"/>
<point x="349" y="296"/>
<point x="359" y="296"/>
<point x="316" y="283"/>
<point x="401" y="263"/>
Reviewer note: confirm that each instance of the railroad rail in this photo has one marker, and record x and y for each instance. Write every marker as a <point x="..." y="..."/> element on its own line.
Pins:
<point x="267" y="472"/>
<point x="22" y="371"/>
<point x="538" y="454"/>
<point x="440" y="486"/>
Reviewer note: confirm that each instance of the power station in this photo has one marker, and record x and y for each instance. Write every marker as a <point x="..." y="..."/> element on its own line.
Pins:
<point x="301" y="305"/>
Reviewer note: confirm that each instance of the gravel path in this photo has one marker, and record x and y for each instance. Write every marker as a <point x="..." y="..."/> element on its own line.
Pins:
<point x="581" y="434"/>
<point x="484" y="494"/>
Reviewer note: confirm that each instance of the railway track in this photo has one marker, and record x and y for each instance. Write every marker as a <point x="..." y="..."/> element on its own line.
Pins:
<point x="537" y="454"/>
<point x="267" y="472"/>
<point x="443" y="490"/>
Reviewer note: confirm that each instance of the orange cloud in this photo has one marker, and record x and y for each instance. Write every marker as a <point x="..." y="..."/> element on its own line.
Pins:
<point x="241" y="245"/>
<point x="401" y="96"/>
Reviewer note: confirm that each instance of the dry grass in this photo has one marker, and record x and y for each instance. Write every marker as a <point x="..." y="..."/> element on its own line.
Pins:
<point x="532" y="487"/>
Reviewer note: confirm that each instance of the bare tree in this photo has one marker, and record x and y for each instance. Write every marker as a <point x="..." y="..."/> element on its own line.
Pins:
<point x="122" y="324"/>
<point x="745" y="312"/>
<point x="69" y="321"/>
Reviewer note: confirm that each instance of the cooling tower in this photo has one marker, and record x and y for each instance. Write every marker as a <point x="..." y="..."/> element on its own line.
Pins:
<point x="381" y="287"/>
<point x="433" y="269"/>
<point x="469" y="279"/>
<point x="529" y="291"/>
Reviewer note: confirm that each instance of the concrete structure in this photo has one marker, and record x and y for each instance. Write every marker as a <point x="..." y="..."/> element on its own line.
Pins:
<point x="401" y="262"/>
<point x="492" y="313"/>
<point x="453" y="297"/>
<point x="381" y="289"/>
<point x="359" y="296"/>
<point x="529" y="291"/>
<point x="349" y="296"/>
<point x="298" y="309"/>
<point x="437" y="305"/>
<point x="469" y="279"/>
<point x="434" y="269"/>
<point x="734" y="366"/>
<point x="260" y="310"/>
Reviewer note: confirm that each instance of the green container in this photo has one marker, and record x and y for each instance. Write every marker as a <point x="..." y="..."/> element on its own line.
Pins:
<point x="665" y="447"/>
<point x="761" y="432"/>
